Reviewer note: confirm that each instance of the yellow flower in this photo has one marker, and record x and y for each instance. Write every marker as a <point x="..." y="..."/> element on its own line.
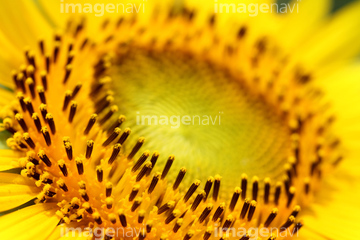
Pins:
<point x="246" y="113"/>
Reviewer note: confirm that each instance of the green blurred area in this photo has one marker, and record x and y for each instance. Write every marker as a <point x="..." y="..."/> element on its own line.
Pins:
<point x="337" y="3"/>
<point x="3" y="136"/>
<point x="340" y="3"/>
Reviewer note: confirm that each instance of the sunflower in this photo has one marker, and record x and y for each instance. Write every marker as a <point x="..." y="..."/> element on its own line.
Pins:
<point x="250" y="134"/>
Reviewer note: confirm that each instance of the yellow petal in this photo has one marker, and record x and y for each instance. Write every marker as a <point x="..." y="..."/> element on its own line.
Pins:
<point x="336" y="41"/>
<point x="33" y="222"/>
<point x="8" y="159"/>
<point x="335" y="214"/>
<point x="342" y="89"/>
<point x="15" y="190"/>
<point x="19" y="29"/>
<point x="9" y="153"/>
<point x="6" y="96"/>
<point x="307" y="17"/>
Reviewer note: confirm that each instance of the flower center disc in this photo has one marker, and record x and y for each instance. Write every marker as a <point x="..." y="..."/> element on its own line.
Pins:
<point x="203" y="116"/>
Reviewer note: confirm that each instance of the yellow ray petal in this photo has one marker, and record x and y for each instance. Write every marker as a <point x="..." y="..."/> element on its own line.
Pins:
<point x="306" y="19"/>
<point x="15" y="190"/>
<point x="336" y="41"/>
<point x="342" y="89"/>
<point x="9" y="153"/>
<point x="34" y="222"/>
<point x="10" y="59"/>
<point x="5" y="95"/>
<point x="11" y="50"/>
<point x="8" y="163"/>
<point x="335" y="214"/>
<point x="10" y="178"/>
<point x="19" y="29"/>
<point x="5" y="76"/>
<point x="8" y="159"/>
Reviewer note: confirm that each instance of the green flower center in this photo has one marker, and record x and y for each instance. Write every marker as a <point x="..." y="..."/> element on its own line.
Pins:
<point x="226" y="130"/>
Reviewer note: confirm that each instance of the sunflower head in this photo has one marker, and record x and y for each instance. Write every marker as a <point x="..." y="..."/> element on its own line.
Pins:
<point x="174" y="124"/>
